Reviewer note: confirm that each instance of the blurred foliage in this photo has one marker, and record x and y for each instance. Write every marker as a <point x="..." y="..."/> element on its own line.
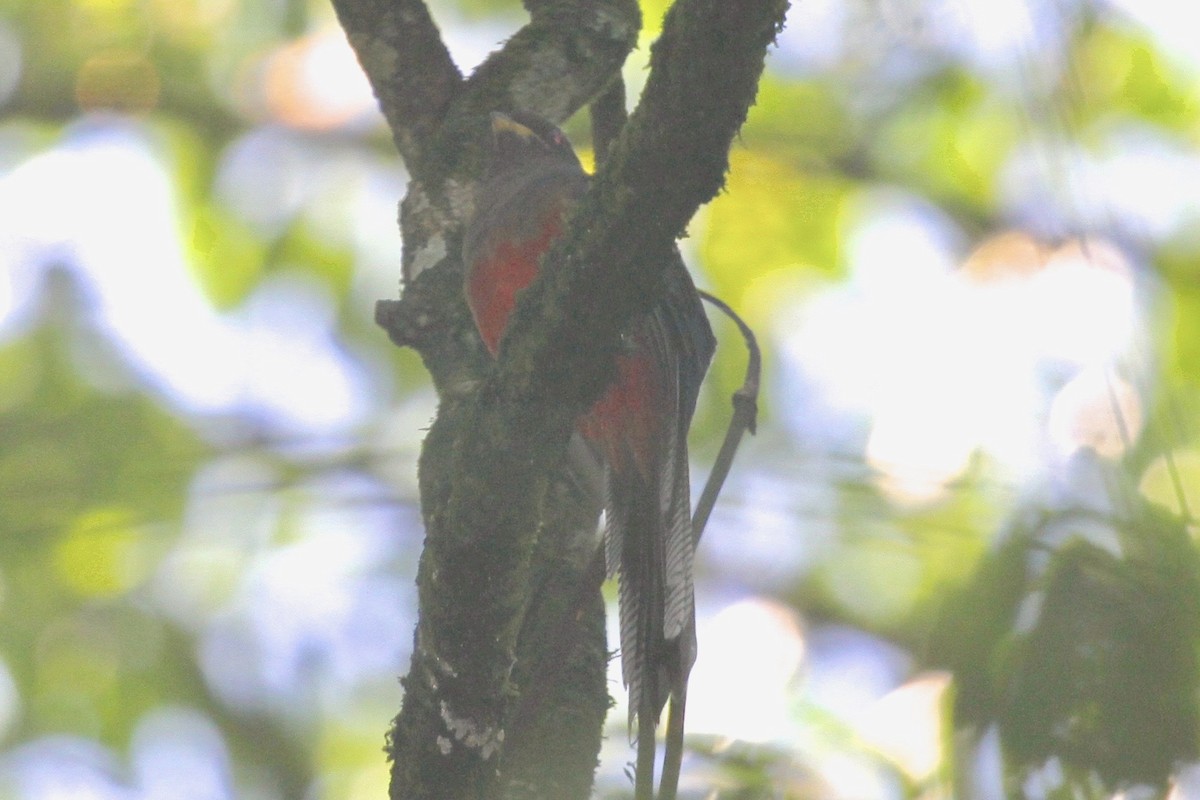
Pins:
<point x="1077" y="638"/>
<point x="208" y="582"/>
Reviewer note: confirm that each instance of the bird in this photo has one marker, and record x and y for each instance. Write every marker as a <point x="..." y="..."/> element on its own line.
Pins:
<point x="638" y="428"/>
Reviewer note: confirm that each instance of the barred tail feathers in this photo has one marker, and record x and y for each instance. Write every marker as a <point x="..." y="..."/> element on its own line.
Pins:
<point x="678" y="540"/>
<point x="650" y="542"/>
<point x="652" y="554"/>
<point x="634" y="533"/>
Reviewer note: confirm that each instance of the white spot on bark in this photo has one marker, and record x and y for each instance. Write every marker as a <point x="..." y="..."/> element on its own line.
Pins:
<point x="444" y="745"/>
<point x="460" y="197"/>
<point x="435" y="661"/>
<point x="424" y="223"/>
<point x="486" y="739"/>
<point x="429" y="255"/>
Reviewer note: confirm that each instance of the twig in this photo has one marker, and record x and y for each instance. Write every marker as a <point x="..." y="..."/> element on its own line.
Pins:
<point x="745" y="418"/>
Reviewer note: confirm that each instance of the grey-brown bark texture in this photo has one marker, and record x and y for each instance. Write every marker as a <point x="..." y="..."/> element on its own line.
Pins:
<point x="506" y="695"/>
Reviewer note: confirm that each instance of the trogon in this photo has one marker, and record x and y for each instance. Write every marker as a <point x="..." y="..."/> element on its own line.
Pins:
<point x="638" y="427"/>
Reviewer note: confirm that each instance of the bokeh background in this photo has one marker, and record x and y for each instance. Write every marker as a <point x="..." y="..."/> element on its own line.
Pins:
<point x="966" y="232"/>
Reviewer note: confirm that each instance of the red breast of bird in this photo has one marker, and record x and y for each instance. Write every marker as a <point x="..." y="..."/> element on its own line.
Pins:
<point x="521" y="211"/>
